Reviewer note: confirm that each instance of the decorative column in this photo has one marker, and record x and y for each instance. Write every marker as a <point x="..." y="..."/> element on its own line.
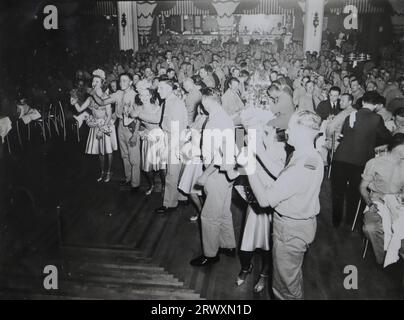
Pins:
<point x="127" y="23"/>
<point x="145" y="19"/>
<point x="182" y="23"/>
<point x="225" y="18"/>
<point x="313" y="25"/>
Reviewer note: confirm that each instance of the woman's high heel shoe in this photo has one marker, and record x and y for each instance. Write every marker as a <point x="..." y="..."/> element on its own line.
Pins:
<point x="108" y="177"/>
<point x="261" y="283"/>
<point x="150" y="191"/>
<point x="242" y="276"/>
<point x="101" y="177"/>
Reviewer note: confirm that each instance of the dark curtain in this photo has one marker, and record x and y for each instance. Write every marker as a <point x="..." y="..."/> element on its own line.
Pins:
<point x="377" y="32"/>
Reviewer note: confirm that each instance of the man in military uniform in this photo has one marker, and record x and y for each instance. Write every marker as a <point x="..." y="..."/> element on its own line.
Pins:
<point x="216" y="217"/>
<point x="294" y="196"/>
<point x="174" y="116"/>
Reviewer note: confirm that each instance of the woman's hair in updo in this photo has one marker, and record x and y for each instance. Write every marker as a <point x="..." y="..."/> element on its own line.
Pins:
<point x="396" y="140"/>
<point x="153" y="97"/>
<point x="104" y="85"/>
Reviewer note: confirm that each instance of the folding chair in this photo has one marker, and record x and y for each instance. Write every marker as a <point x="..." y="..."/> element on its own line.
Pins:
<point x="60" y="119"/>
<point x="41" y="123"/>
<point x="332" y="155"/>
<point x="357" y="214"/>
<point x="7" y="140"/>
<point x="366" y="240"/>
<point x="365" y="250"/>
<point x="51" y="119"/>
<point x="19" y="132"/>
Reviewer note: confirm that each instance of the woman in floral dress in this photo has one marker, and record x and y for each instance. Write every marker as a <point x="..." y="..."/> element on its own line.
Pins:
<point x="102" y="136"/>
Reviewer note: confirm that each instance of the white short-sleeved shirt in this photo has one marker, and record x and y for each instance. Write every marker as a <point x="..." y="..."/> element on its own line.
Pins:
<point x="384" y="175"/>
<point x="217" y="137"/>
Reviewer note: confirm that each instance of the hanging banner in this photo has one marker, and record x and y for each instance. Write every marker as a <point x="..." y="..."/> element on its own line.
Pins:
<point x="225" y="18"/>
<point x="145" y="16"/>
<point x="128" y="25"/>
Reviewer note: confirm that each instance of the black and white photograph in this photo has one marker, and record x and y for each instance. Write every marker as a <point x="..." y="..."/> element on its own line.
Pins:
<point x="214" y="152"/>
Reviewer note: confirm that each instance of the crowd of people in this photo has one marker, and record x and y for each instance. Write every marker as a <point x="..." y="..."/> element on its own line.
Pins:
<point x="300" y="115"/>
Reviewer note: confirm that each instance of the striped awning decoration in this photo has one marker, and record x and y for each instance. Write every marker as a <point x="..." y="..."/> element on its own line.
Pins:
<point x="103" y="8"/>
<point x="363" y="6"/>
<point x="266" y="7"/>
<point x="185" y="7"/>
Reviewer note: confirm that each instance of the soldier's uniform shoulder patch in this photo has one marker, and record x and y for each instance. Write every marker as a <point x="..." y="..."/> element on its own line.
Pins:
<point x="311" y="163"/>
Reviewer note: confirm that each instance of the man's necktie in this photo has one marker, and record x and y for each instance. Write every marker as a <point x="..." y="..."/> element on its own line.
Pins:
<point x="202" y="131"/>
<point x="163" y="107"/>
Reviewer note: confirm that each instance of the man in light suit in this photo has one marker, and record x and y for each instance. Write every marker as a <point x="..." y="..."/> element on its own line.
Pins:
<point x="283" y="108"/>
<point x="174" y="117"/>
<point x="231" y="101"/>
<point x="216" y="216"/>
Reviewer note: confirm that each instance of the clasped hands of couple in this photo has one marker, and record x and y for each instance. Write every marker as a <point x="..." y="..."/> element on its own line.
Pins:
<point x="242" y="161"/>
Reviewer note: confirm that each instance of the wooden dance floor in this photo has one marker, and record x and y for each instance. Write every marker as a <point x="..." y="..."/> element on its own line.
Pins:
<point x="106" y="216"/>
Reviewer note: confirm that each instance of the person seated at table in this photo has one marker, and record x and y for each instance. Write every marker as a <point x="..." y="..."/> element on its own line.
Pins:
<point x="172" y="75"/>
<point x="398" y="121"/>
<point x="284" y="86"/>
<point x="331" y="106"/>
<point x="300" y="90"/>
<point x="306" y="100"/>
<point x="26" y="112"/>
<point x="207" y="78"/>
<point x="5" y="126"/>
<point x="382" y="175"/>
<point x="282" y="109"/>
<point x="381" y="109"/>
<point x="356" y="90"/>
<point x="231" y="100"/>
<point x="335" y="123"/>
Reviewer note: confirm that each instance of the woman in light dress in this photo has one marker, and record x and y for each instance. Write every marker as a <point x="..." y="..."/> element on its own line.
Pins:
<point x="193" y="168"/>
<point x="101" y="139"/>
<point x="154" y="140"/>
